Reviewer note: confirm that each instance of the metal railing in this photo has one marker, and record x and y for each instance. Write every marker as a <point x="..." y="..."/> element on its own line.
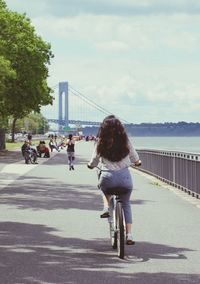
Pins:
<point x="179" y="169"/>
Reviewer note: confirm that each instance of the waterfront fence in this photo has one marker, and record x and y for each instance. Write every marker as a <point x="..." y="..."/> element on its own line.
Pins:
<point x="179" y="169"/>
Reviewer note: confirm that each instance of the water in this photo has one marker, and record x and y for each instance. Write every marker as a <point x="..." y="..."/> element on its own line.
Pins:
<point x="182" y="144"/>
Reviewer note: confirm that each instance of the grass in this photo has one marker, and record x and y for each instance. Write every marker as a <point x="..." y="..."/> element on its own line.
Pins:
<point x="16" y="145"/>
<point x="13" y="146"/>
<point x="155" y="183"/>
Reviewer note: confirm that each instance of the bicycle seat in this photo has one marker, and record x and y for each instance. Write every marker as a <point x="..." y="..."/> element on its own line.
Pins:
<point x="116" y="190"/>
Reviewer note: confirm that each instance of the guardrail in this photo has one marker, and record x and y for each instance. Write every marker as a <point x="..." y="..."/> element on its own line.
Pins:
<point x="179" y="169"/>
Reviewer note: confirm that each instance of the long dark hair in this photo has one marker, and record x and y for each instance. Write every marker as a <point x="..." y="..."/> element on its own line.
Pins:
<point x="112" y="143"/>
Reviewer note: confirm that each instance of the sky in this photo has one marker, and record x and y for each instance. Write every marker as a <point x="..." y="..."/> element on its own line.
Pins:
<point x="138" y="59"/>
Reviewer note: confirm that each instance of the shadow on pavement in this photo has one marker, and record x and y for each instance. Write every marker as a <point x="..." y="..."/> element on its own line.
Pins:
<point x="34" y="254"/>
<point x="35" y="193"/>
<point x="8" y="157"/>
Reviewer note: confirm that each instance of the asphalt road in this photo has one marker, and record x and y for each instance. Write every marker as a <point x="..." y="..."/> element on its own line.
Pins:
<point x="50" y="230"/>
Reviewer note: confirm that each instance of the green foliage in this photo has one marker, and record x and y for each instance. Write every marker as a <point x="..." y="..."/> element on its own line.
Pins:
<point x="34" y="123"/>
<point x="2" y="4"/>
<point x="23" y="66"/>
<point x="37" y="124"/>
<point x="6" y="73"/>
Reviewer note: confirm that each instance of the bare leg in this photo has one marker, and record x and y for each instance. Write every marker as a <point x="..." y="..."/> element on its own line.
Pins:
<point x="69" y="161"/>
<point x="128" y="228"/>
<point x="106" y="200"/>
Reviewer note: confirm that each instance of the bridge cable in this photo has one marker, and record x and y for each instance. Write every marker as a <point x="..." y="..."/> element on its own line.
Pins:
<point x="90" y="102"/>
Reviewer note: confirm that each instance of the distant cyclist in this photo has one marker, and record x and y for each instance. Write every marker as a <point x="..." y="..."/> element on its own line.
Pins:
<point x="28" y="152"/>
<point x="114" y="153"/>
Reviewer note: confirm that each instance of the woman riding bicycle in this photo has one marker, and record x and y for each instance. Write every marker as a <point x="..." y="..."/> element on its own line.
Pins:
<point x="114" y="152"/>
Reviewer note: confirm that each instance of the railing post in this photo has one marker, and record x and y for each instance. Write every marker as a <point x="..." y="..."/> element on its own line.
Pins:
<point x="174" y="169"/>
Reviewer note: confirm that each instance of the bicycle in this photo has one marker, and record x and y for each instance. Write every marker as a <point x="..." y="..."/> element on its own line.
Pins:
<point x="116" y="220"/>
<point x="29" y="156"/>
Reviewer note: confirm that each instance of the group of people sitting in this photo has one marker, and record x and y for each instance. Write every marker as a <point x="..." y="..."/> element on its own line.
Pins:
<point x="43" y="149"/>
<point x="31" y="153"/>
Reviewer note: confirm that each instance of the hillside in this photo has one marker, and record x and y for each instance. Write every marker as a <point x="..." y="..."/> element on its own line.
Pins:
<point x="156" y="129"/>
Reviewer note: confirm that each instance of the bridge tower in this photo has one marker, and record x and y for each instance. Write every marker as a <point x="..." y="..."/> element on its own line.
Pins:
<point x="63" y="112"/>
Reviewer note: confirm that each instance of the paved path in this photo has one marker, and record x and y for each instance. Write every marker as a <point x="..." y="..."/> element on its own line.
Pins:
<point x="50" y="230"/>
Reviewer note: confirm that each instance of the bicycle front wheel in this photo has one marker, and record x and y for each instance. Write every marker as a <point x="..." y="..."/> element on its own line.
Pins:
<point x="113" y="233"/>
<point x="112" y="223"/>
<point x="120" y="230"/>
<point x="32" y="159"/>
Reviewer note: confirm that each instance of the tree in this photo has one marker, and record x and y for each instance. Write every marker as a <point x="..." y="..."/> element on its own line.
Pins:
<point x="29" y="56"/>
<point x="6" y="73"/>
<point x="35" y="123"/>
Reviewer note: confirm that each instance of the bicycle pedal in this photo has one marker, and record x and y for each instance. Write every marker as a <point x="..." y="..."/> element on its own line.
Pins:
<point x="105" y="215"/>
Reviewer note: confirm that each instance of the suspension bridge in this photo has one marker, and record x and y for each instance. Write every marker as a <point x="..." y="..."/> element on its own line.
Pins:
<point x="71" y="107"/>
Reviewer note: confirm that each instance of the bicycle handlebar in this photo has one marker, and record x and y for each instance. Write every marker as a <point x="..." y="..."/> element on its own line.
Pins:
<point x="89" y="167"/>
<point x="138" y="164"/>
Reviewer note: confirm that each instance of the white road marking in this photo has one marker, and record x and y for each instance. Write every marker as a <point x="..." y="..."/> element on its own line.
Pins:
<point x="17" y="168"/>
<point x="14" y="171"/>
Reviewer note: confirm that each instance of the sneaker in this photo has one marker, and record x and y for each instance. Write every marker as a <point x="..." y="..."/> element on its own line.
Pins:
<point x="129" y="240"/>
<point x="105" y="214"/>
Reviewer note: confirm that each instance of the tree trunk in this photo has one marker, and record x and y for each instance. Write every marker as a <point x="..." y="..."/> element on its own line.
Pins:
<point x="13" y="130"/>
<point x="2" y="139"/>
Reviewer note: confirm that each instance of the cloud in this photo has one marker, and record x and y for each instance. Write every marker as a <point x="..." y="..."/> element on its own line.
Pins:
<point x="128" y="8"/>
<point x="177" y="33"/>
<point x="171" y="31"/>
<point x="112" y="46"/>
<point x="159" y="102"/>
<point x="138" y="59"/>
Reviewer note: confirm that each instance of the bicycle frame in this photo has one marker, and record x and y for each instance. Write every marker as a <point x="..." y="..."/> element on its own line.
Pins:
<point x="117" y="225"/>
<point x="28" y="156"/>
<point x="116" y="220"/>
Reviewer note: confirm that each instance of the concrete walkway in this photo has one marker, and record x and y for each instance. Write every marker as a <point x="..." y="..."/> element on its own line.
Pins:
<point x="50" y="230"/>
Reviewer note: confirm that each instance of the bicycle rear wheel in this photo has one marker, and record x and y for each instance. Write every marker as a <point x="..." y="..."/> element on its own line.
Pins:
<point x="32" y="159"/>
<point x="120" y="230"/>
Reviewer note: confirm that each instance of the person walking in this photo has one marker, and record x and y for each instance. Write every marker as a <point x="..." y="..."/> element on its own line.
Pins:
<point x="114" y="153"/>
<point x="71" y="151"/>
